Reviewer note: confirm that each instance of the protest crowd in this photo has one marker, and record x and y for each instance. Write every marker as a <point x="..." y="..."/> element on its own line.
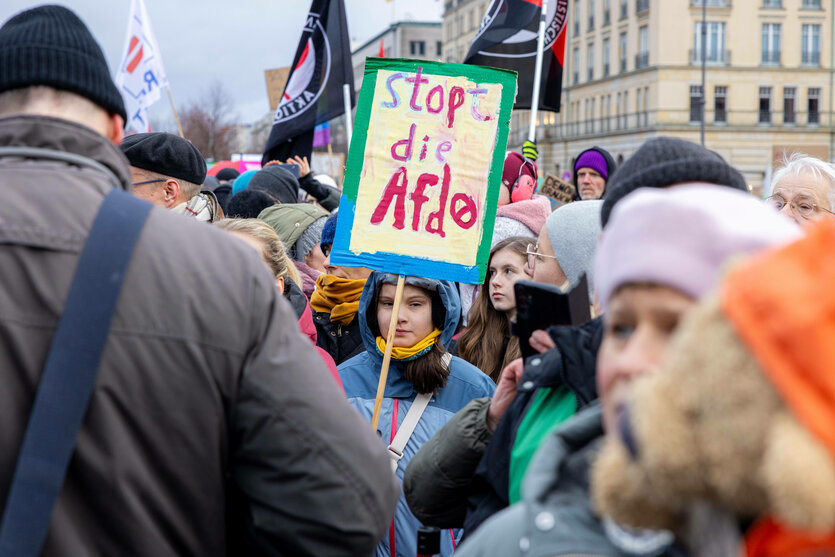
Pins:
<point x="198" y="369"/>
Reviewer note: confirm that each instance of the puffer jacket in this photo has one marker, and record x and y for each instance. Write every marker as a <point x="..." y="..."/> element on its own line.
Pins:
<point x="213" y="427"/>
<point x="555" y="517"/>
<point x="360" y="376"/>
<point x="301" y="306"/>
<point x="461" y="476"/>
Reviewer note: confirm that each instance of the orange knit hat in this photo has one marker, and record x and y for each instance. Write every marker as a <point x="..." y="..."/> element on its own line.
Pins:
<point x="782" y="304"/>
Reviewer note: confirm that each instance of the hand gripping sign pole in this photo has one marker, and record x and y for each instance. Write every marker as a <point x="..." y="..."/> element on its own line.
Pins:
<point x="537" y="76"/>
<point x="384" y="371"/>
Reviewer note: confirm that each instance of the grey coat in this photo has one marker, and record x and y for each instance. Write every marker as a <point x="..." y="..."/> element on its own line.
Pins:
<point x="214" y="426"/>
<point x="555" y="517"/>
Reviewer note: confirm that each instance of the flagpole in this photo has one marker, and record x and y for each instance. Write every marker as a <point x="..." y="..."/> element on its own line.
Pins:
<point x="346" y="96"/>
<point x="537" y="76"/>
<point x="176" y="117"/>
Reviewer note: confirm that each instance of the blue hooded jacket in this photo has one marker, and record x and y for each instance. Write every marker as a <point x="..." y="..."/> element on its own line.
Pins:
<point x="360" y="376"/>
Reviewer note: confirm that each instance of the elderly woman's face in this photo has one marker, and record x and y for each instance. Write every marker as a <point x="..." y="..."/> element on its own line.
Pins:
<point x="805" y="188"/>
<point x="637" y="329"/>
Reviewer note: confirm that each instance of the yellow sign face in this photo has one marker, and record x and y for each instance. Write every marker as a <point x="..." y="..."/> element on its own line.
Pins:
<point x="424" y="181"/>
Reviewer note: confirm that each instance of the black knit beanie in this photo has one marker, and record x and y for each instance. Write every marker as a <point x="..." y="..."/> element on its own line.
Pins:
<point x="279" y="183"/>
<point x="248" y="204"/>
<point x="665" y="161"/>
<point x="50" y="45"/>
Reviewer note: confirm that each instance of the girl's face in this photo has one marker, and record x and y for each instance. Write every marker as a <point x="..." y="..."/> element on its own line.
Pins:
<point x="637" y="330"/>
<point x="414" y="321"/>
<point x="506" y="267"/>
<point x="545" y="268"/>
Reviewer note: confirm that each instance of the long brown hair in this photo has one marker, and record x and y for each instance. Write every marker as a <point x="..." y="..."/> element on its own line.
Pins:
<point x="483" y="341"/>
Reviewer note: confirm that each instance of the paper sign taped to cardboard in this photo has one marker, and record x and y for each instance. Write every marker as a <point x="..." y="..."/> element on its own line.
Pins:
<point x="424" y="169"/>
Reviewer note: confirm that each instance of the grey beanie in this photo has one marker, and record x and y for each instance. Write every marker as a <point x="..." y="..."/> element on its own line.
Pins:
<point x="308" y="239"/>
<point x="573" y="230"/>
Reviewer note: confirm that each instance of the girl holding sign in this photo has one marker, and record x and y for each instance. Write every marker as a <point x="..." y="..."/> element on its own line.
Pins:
<point x="487" y="343"/>
<point x="425" y="385"/>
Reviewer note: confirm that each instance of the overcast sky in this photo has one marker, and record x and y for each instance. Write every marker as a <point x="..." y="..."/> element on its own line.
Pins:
<point x="230" y="40"/>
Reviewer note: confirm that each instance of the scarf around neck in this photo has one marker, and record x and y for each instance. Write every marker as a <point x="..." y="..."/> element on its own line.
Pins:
<point x="409" y="353"/>
<point x="337" y="296"/>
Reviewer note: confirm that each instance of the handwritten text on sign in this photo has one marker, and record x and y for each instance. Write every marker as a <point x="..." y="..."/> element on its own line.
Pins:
<point x="427" y="158"/>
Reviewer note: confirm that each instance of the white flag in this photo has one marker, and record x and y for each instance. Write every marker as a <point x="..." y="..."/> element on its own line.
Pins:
<point x="141" y="75"/>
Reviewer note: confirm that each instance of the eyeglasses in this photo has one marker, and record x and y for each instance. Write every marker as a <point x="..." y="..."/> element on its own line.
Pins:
<point x="802" y="207"/>
<point x="148" y="182"/>
<point x="533" y="253"/>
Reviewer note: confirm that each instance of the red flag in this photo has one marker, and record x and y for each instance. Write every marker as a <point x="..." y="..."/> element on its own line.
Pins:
<point x="382" y="52"/>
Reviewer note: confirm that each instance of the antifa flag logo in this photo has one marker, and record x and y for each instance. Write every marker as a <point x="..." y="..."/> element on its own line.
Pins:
<point x="507" y="38"/>
<point x="310" y="74"/>
<point x="314" y="90"/>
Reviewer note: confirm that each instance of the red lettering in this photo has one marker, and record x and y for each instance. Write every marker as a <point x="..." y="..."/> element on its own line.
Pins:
<point x="456" y="99"/>
<point x="419" y="198"/>
<point x="439" y="90"/>
<point x="468" y="209"/>
<point x="438" y="216"/>
<point x="393" y="190"/>
<point x="407" y="143"/>
<point x="417" y="80"/>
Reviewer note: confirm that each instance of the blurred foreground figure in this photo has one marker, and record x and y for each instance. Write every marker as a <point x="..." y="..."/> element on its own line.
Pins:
<point x="213" y="427"/>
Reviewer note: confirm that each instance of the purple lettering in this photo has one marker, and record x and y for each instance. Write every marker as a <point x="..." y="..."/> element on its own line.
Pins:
<point x="395" y="98"/>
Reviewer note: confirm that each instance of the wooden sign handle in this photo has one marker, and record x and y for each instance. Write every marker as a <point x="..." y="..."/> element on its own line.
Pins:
<point x="384" y="371"/>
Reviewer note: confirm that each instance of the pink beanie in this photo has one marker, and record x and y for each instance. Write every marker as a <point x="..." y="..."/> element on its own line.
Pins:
<point x="680" y="237"/>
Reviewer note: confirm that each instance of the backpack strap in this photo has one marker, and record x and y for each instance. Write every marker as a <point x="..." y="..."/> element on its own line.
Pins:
<point x="69" y="374"/>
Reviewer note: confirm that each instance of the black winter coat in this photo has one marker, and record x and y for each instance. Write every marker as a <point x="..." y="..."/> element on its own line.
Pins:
<point x="572" y="363"/>
<point x="340" y="341"/>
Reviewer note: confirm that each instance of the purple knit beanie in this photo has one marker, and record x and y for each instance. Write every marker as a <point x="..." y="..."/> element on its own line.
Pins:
<point x="681" y="237"/>
<point x="594" y="160"/>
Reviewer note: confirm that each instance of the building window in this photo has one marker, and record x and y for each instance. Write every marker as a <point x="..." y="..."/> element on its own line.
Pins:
<point x="606" y="57"/>
<point x="591" y="115"/>
<point x="772" y="4"/>
<point x="606" y="12"/>
<point x="591" y="62"/>
<point x="576" y="59"/>
<point x="714" y="43"/>
<point x="624" y="9"/>
<point x="811" y="45"/>
<point x="417" y="48"/>
<point x="811" y="5"/>
<point x="788" y="105"/>
<point x="577" y="18"/>
<point x="439" y="48"/>
<point x="642" y="58"/>
<point x="646" y="106"/>
<point x="641" y="6"/>
<point x="695" y="103"/>
<point x="813" y="106"/>
<point x="625" y="112"/>
<point x="617" y="111"/>
<point x="765" y="105"/>
<point x="622" y="51"/>
<point x="771" y="44"/>
<point x="591" y="15"/>
<point x="720" y="104"/>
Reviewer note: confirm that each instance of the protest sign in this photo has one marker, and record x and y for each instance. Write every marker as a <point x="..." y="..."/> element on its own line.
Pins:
<point x="559" y="190"/>
<point x="424" y="169"/>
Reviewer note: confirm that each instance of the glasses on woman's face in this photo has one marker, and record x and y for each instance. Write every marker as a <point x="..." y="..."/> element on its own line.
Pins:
<point x="533" y="254"/>
<point x="801" y="206"/>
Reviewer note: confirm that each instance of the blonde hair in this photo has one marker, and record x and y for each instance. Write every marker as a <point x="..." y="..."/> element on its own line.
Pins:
<point x="273" y="252"/>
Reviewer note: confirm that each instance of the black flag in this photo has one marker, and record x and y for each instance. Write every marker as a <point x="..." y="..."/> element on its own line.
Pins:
<point x="313" y="93"/>
<point x="507" y="38"/>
